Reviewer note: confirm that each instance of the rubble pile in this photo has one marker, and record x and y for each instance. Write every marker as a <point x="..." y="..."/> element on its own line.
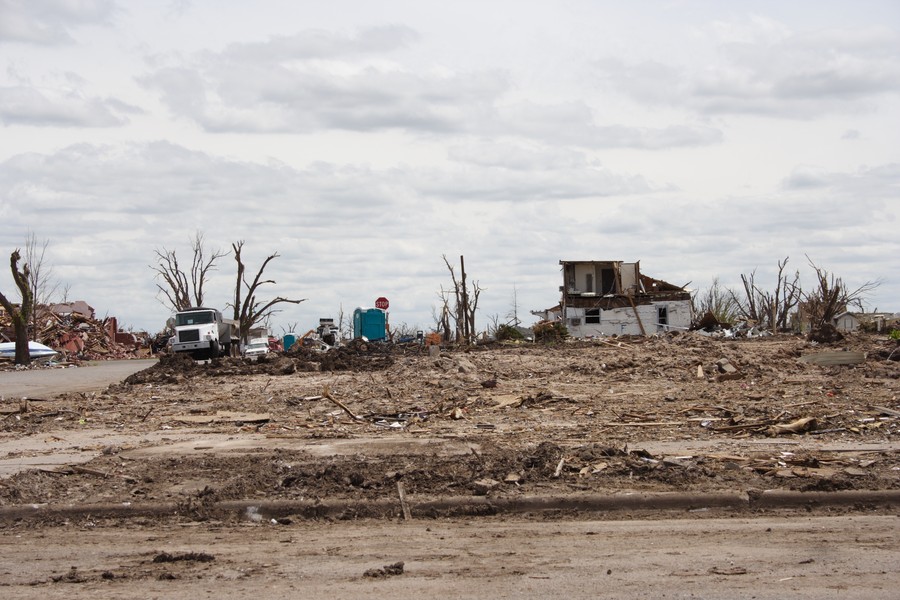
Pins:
<point x="356" y="355"/>
<point x="81" y="337"/>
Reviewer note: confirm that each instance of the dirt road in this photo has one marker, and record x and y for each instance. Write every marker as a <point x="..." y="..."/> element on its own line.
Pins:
<point x="800" y="557"/>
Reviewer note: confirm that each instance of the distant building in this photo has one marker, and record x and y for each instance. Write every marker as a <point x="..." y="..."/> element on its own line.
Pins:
<point x="849" y="322"/>
<point x="614" y="298"/>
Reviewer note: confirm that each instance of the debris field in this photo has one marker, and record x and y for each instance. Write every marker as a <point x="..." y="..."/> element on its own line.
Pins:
<point x="679" y="412"/>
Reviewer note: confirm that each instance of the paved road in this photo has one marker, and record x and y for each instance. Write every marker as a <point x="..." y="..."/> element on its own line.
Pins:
<point x="43" y="383"/>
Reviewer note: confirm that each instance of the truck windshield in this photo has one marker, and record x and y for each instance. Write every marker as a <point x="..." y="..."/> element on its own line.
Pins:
<point x="194" y="318"/>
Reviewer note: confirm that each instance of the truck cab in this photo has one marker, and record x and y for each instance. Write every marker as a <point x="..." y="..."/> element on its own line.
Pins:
<point x="203" y="333"/>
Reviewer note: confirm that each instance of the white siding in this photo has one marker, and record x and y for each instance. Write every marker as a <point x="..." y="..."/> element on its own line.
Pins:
<point x="622" y="321"/>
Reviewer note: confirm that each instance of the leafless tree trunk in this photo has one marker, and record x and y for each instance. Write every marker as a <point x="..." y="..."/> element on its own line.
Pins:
<point x="466" y="302"/>
<point x="40" y="279"/>
<point x="717" y="301"/>
<point x="512" y="317"/>
<point x="770" y="310"/>
<point x="184" y="290"/>
<point x="493" y="324"/>
<point x="248" y="310"/>
<point x="441" y="316"/>
<point x="20" y="315"/>
<point x="343" y="324"/>
<point x="831" y="296"/>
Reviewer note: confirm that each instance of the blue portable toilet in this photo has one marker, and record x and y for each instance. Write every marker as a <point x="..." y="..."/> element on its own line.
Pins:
<point x="370" y="323"/>
<point x="289" y="340"/>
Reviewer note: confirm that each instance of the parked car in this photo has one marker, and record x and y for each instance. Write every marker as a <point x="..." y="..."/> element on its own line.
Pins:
<point x="256" y="348"/>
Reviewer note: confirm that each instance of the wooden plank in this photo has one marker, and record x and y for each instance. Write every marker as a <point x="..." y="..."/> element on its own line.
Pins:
<point x="834" y="358"/>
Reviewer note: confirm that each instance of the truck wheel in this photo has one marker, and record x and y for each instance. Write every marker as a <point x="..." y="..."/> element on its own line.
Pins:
<point x="214" y="350"/>
<point x="227" y="348"/>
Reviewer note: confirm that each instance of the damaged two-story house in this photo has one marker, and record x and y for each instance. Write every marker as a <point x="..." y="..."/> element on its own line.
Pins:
<point x="614" y="298"/>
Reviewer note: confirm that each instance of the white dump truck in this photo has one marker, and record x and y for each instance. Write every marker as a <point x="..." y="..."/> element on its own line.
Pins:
<point x="204" y="334"/>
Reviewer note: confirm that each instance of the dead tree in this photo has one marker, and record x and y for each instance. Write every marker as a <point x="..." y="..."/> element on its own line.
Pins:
<point x="20" y="314"/>
<point x="184" y="290"/>
<point x="441" y="316"/>
<point x="769" y="309"/>
<point x="716" y="301"/>
<point x="40" y="279"/>
<point x="831" y="297"/>
<point x="248" y="310"/>
<point x="466" y="302"/>
<point x="512" y="317"/>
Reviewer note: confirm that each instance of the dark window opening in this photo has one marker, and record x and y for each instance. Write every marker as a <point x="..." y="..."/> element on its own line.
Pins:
<point x="607" y="281"/>
<point x="662" y="316"/>
<point x="592" y="315"/>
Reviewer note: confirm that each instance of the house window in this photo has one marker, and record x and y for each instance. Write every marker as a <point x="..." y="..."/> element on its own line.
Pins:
<point x="662" y="317"/>
<point x="589" y="282"/>
<point x="607" y="281"/>
<point x="592" y="316"/>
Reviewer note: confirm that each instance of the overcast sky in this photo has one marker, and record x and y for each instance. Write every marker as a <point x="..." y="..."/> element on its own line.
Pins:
<point x="364" y="140"/>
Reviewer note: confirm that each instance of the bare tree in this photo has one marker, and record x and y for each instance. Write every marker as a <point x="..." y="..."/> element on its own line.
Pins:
<point x="343" y="323"/>
<point x="183" y="290"/>
<point x="248" y="310"/>
<point x="769" y="309"/>
<point x="40" y="278"/>
<point x="831" y="296"/>
<point x="717" y="301"/>
<point x="403" y="330"/>
<point x="20" y="314"/>
<point x="512" y="317"/>
<point x="493" y="324"/>
<point x="441" y="316"/>
<point x="466" y="302"/>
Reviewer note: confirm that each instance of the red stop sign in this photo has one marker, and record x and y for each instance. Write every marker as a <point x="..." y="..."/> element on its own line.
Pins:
<point x="382" y="303"/>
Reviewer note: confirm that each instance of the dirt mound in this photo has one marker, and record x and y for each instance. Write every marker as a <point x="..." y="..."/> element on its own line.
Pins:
<point x="356" y="357"/>
<point x="826" y="334"/>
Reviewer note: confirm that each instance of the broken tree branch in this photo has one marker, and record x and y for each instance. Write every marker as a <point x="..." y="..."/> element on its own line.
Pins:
<point x="326" y="393"/>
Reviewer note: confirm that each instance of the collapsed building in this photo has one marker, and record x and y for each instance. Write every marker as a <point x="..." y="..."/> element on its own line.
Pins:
<point x="615" y="298"/>
<point x="73" y="330"/>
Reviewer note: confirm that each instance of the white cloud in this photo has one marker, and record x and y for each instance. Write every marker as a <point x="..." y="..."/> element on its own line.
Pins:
<point x="763" y="68"/>
<point x="50" y="22"/>
<point x="23" y="105"/>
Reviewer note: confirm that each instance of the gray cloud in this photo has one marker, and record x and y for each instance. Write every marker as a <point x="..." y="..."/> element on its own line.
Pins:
<point x="286" y="86"/>
<point x="266" y="98"/>
<point x="783" y="75"/>
<point x="574" y="123"/>
<point x="864" y="187"/>
<point x="50" y="22"/>
<point x="489" y="153"/>
<point x="25" y="105"/>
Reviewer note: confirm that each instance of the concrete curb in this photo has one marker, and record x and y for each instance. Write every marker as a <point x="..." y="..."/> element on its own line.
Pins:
<point x="467" y="505"/>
